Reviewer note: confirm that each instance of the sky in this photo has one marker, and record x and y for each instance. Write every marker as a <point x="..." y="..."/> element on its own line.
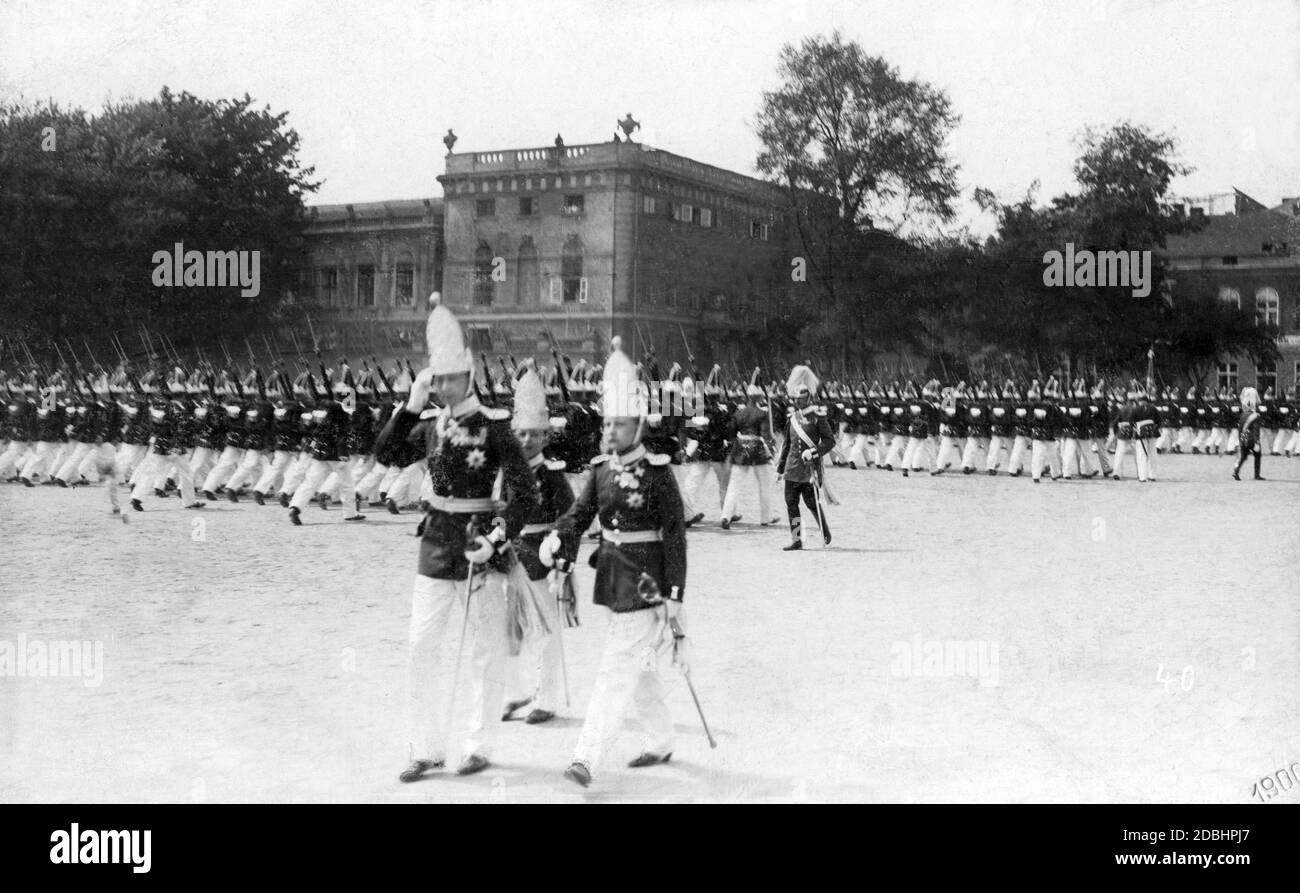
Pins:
<point x="371" y="87"/>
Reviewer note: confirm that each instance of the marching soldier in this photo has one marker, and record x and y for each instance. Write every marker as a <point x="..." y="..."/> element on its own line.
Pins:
<point x="808" y="438"/>
<point x="752" y="432"/>
<point x="640" y="575"/>
<point x="531" y="425"/>
<point x="464" y="548"/>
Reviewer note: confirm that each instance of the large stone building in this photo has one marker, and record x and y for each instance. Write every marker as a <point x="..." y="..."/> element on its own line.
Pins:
<point x="1248" y="255"/>
<point x="368" y="274"/>
<point x="586" y="242"/>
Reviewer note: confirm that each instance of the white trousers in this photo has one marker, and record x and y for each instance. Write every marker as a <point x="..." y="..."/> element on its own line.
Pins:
<point x="225" y="467"/>
<point x="154" y="470"/>
<point x="763" y="477"/>
<point x="914" y="454"/>
<point x="1016" y="462"/>
<point x="947" y="444"/>
<point x="250" y="465"/>
<point x="536" y="672"/>
<point x="970" y="452"/>
<point x="637" y="643"/>
<point x="696" y="474"/>
<point x="296" y="472"/>
<point x="13" y="458"/>
<point x="437" y="617"/>
<point x="1142" y="457"/>
<point x="997" y="443"/>
<point x="317" y="471"/>
<point x="40" y="459"/>
<point x="883" y="440"/>
<point x="1044" y="455"/>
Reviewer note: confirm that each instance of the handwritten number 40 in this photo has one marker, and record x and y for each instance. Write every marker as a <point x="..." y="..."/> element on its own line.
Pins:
<point x="1187" y="681"/>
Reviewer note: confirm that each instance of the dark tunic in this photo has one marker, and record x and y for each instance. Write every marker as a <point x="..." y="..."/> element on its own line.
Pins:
<point x="632" y="493"/>
<point x="555" y="497"/>
<point x="464" y="453"/>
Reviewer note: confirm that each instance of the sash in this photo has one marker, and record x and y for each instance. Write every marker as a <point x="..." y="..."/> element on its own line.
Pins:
<point x="801" y="433"/>
<point x="821" y="478"/>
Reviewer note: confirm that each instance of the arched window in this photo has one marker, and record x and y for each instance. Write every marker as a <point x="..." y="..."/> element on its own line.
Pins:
<point x="1266" y="306"/>
<point x="483" y="273"/>
<point x="527" y="289"/>
<point x="571" y="279"/>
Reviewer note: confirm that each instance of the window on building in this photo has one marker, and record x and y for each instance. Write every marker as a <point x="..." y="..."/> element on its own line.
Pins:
<point x="307" y="284"/>
<point x="1266" y="306"/>
<point x="485" y="207"/>
<point x="685" y="212"/>
<point x="1230" y="260"/>
<point x="366" y="285"/>
<point x="672" y="296"/>
<point x="649" y="205"/>
<point x="480" y="339"/>
<point x="327" y="285"/>
<point x="571" y="278"/>
<point x="405" y="282"/>
<point x="758" y="230"/>
<point x="574" y="205"/>
<point x="1228" y="376"/>
<point x="706" y="217"/>
<point x="528" y="273"/>
<point x="483" y="284"/>
<point x="527" y="206"/>
<point x="1230" y="296"/>
<point x="1265" y="377"/>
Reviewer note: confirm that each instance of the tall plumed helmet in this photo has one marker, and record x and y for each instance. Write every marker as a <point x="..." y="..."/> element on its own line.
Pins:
<point x="446" y="343"/>
<point x="530" y="412"/>
<point x="802" y="381"/>
<point x="1249" y="398"/>
<point x="621" y="392"/>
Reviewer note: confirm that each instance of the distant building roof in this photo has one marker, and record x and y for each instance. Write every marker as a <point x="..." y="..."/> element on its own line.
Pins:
<point x="1265" y="233"/>
<point x="395" y="208"/>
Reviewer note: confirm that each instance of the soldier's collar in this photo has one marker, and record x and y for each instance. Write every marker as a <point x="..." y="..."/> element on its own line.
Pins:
<point x="466" y="407"/>
<point x="537" y="460"/>
<point x="630" y="457"/>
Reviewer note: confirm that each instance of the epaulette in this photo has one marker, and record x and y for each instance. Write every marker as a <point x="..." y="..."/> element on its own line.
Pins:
<point x="494" y="414"/>
<point x="658" y="458"/>
<point x="555" y="464"/>
<point x="598" y="458"/>
<point x="430" y="413"/>
<point x="816" y="410"/>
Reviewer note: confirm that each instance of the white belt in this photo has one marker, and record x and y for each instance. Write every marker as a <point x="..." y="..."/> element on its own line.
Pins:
<point x="619" y="538"/>
<point x="457" y="505"/>
<point x="749" y="436"/>
<point x="537" y="528"/>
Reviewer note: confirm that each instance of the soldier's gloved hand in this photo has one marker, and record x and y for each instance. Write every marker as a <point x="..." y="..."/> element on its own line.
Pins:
<point x="548" y="551"/>
<point x="420" y="389"/>
<point x="486" y="546"/>
<point x="808" y="454"/>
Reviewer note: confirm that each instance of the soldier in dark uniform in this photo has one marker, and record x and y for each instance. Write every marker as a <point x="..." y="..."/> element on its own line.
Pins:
<point x="1249" y="429"/>
<point x="750" y="445"/>
<point x="464" y="547"/>
<point x="542" y="648"/>
<point x="640" y="575"/>
<point x="808" y="437"/>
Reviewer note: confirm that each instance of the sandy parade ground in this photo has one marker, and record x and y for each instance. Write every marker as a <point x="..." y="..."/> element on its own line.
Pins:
<point x="964" y="639"/>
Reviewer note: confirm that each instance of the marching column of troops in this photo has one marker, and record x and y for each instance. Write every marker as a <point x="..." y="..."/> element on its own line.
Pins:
<point x="511" y="476"/>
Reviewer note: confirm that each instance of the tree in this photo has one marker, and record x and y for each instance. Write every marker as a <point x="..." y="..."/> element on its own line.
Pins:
<point x="852" y="143"/>
<point x="84" y="216"/>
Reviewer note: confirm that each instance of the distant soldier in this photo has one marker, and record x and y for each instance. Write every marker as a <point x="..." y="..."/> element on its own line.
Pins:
<point x="808" y="438"/>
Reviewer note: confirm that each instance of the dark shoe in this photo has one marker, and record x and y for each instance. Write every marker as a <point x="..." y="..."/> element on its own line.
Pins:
<point x="232" y="496"/>
<point x="159" y="493"/>
<point x="992" y="472"/>
<point x="293" y="517"/>
<point x="259" y="497"/>
<point x="196" y="505"/>
<point x="1258" y="477"/>
<point x="699" y="516"/>
<point x="61" y="482"/>
<point x="135" y="504"/>
<point x="512" y="706"/>
<point x="826" y="538"/>
<point x="416" y="770"/>
<point x="208" y="495"/>
<point x="323" y="501"/>
<point x="284" y="500"/>
<point x="473" y="763"/>
<point x="853" y="466"/>
<point x="735" y="518"/>
<point x="1016" y="474"/>
<point x="578" y="773"/>
<point x="887" y="467"/>
<point x="392" y="507"/>
<point x="905" y="474"/>
<point x="726" y="523"/>
<point x="793" y="547"/>
<point x="117" y="510"/>
<point x="1236" y="475"/>
<point x="649" y="759"/>
<point x="537" y="717"/>
<point x="357" y="517"/>
<point x="968" y="471"/>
